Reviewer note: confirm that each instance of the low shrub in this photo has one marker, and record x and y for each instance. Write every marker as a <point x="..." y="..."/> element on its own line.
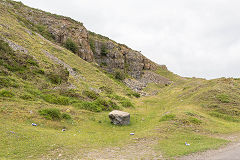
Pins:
<point x="91" y="106"/>
<point x="53" y="114"/>
<point x="91" y="94"/>
<point x="223" y="98"/>
<point x="44" y="32"/>
<point x="132" y="93"/>
<point x="119" y="75"/>
<point x="71" y="45"/>
<point x="26" y="97"/>
<point x="168" y="117"/>
<point x="66" y="116"/>
<point x="5" y="93"/>
<point x="56" y="99"/>
<point x="104" y="50"/>
<point x="126" y="103"/>
<point x="70" y="93"/>
<point x="8" y="82"/>
<point x="40" y="71"/>
<point x="106" y="105"/>
<point x="224" y="116"/>
<point x="106" y="89"/>
<point x="92" y="45"/>
<point x="54" y="78"/>
<point x="195" y="120"/>
<point x="116" y="97"/>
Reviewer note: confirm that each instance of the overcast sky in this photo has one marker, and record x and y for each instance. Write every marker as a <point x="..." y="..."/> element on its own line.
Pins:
<point x="194" y="38"/>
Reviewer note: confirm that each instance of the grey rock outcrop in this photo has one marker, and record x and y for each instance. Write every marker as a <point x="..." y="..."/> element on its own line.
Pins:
<point x="119" y="117"/>
<point x="108" y="54"/>
<point x="114" y="56"/>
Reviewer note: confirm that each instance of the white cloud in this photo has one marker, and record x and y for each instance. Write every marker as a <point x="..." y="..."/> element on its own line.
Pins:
<point x="198" y="38"/>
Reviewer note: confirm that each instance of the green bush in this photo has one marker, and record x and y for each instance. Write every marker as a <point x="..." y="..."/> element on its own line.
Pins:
<point x="91" y="94"/>
<point x="126" y="103"/>
<point x="71" y="45"/>
<point x="8" y="82"/>
<point x="91" y="106"/>
<point x="5" y="93"/>
<point x="70" y="93"/>
<point x="168" y="117"/>
<point x="66" y="116"/>
<point x="53" y="114"/>
<point x="26" y="97"/>
<point x="106" y="105"/>
<point x="92" y="45"/>
<point x="40" y="71"/>
<point x="106" y="89"/>
<point x="132" y="93"/>
<point x="135" y="94"/>
<point x="119" y="75"/>
<point x="224" y="116"/>
<point x="32" y="62"/>
<point x="56" y="99"/>
<point x="97" y="105"/>
<point x="44" y="32"/>
<point x="104" y="50"/>
<point x="116" y="97"/>
<point x="58" y="76"/>
<point x="55" y="78"/>
<point x="223" y="98"/>
<point x="195" y="120"/>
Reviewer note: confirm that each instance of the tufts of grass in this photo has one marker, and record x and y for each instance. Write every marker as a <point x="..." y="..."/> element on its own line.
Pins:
<point x="106" y="89"/>
<point x="91" y="106"/>
<point x="53" y="114"/>
<point x="134" y="94"/>
<point x="56" y="99"/>
<point x="104" y="50"/>
<point x="119" y="75"/>
<point x="126" y="103"/>
<point x="27" y="96"/>
<point x="6" y="93"/>
<point x="71" y="45"/>
<point x="194" y="120"/>
<point x="223" y="98"/>
<point x="8" y="82"/>
<point x="91" y="94"/>
<point x="224" y="116"/>
<point x="168" y="117"/>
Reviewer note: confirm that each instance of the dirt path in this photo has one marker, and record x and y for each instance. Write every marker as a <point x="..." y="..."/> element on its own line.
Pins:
<point x="229" y="152"/>
<point x="141" y="149"/>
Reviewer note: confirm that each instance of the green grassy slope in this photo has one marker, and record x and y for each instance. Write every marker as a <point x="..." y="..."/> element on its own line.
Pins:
<point x="32" y="80"/>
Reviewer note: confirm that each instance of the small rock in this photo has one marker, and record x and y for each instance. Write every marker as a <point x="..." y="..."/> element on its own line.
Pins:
<point x="34" y="124"/>
<point x="187" y="144"/>
<point x="63" y="130"/>
<point x="131" y="133"/>
<point x="119" y="117"/>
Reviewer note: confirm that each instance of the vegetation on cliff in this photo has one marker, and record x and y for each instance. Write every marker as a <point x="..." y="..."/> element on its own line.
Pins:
<point x="52" y="85"/>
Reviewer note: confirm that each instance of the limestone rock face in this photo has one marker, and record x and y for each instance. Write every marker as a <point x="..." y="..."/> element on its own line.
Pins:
<point x="60" y="29"/>
<point x="119" y="117"/>
<point x="110" y="55"/>
<point x="113" y="56"/>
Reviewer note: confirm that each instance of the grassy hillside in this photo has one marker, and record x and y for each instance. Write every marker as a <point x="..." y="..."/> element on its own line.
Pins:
<point x="45" y="84"/>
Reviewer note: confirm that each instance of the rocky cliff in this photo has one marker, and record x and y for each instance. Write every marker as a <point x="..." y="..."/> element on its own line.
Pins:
<point x="111" y="56"/>
<point x="91" y="47"/>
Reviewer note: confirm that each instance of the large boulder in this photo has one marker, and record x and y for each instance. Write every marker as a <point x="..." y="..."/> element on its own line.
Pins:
<point x="119" y="117"/>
